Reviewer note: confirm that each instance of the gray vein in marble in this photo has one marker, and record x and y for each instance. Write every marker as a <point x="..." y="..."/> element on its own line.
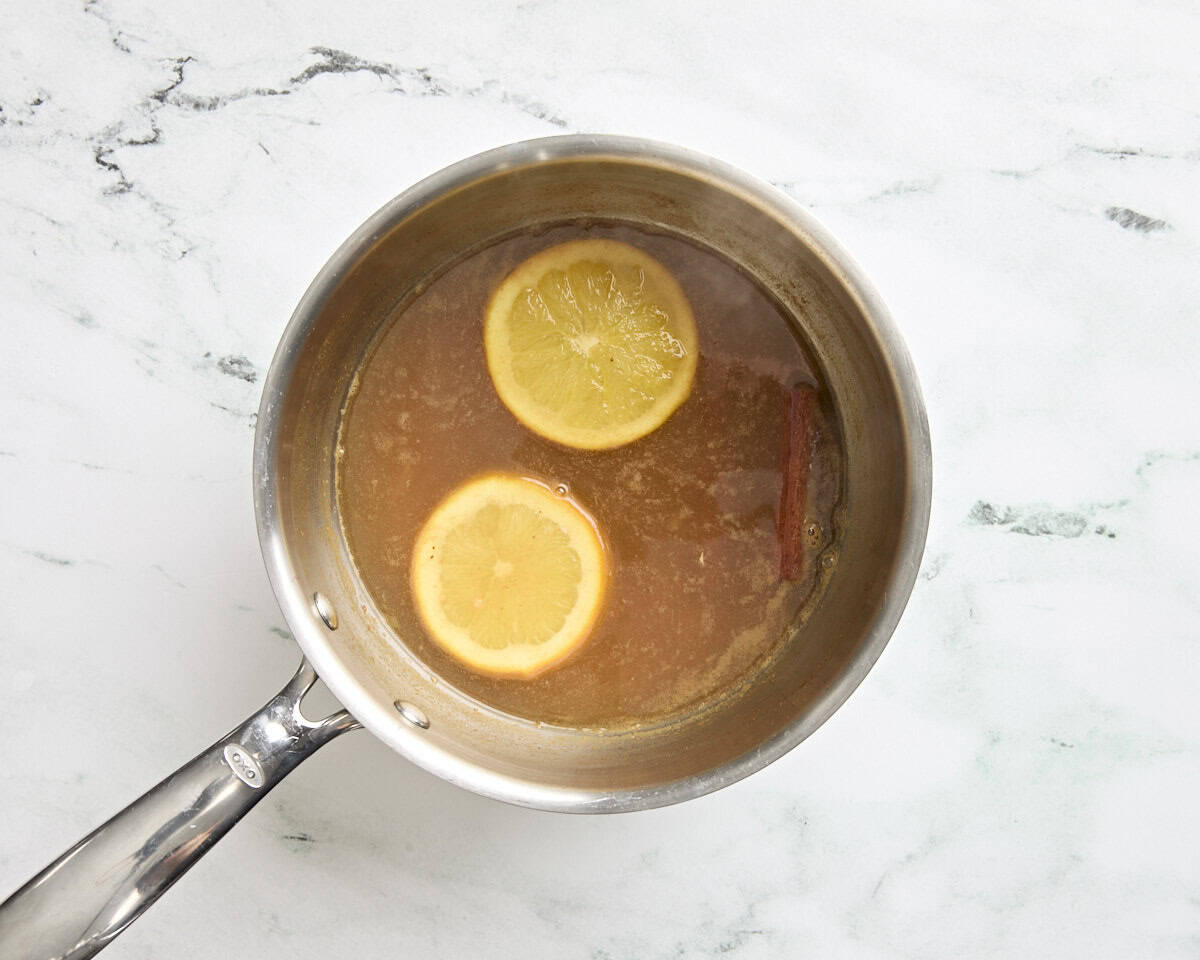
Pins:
<point x="97" y="467"/>
<point x="410" y="81"/>
<point x="1112" y="153"/>
<point x="101" y="154"/>
<point x="116" y="36"/>
<point x="896" y="188"/>
<point x="535" y="108"/>
<point x="24" y="114"/>
<point x="927" y="185"/>
<point x="902" y="187"/>
<point x="339" y="61"/>
<point x="1122" y="216"/>
<point x="237" y="366"/>
<point x="1040" y="520"/>
<point x="740" y="933"/>
<point x="252" y="417"/>
<point x="48" y="558"/>
<point x="170" y="579"/>
<point x="1126" y="153"/>
<point x="1132" y="220"/>
<point x="299" y="842"/>
<point x="294" y="825"/>
<point x="1155" y="457"/>
<point x="928" y="845"/>
<point x="56" y="561"/>
<point x="112" y="138"/>
<point x="33" y="211"/>
<point x="933" y="566"/>
<point x="176" y="81"/>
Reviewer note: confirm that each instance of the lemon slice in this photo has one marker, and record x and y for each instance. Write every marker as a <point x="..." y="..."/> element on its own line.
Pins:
<point x="591" y="343"/>
<point x="508" y="577"/>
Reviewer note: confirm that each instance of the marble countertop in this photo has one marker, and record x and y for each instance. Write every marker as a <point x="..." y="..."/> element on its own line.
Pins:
<point x="1017" y="776"/>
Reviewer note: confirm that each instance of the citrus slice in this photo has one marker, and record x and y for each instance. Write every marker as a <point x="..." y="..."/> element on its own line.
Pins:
<point x="591" y="343"/>
<point x="508" y="577"/>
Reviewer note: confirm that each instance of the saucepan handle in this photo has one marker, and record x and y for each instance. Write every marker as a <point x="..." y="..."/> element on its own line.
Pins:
<point x="77" y="905"/>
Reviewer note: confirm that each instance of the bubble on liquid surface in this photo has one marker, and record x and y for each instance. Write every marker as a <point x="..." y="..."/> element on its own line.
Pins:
<point x="561" y="489"/>
<point x="812" y="532"/>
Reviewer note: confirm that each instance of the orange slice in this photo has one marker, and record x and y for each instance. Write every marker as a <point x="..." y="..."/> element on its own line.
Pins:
<point x="508" y="577"/>
<point x="591" y="343"/>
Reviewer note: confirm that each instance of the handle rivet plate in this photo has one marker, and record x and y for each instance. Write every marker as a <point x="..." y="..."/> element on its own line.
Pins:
<point x="413" y="714"/>
<point x="324" y="610"/>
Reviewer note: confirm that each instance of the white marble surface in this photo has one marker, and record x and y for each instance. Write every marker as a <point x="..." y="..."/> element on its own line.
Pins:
<point x="1017" y="777"/>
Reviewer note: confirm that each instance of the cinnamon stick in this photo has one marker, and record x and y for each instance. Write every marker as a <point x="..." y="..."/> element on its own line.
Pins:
<point x="797" y="464"/>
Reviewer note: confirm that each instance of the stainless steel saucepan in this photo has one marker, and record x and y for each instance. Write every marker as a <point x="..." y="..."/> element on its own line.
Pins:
<point x="84" y="899"/>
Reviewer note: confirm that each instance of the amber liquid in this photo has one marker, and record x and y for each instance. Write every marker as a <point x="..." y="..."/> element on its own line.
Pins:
<point x="690" y="514"/>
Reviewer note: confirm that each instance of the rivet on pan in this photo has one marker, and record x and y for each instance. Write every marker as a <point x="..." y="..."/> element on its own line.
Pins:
<point x="325" y="610"/>
<point x="414" y="715"/>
